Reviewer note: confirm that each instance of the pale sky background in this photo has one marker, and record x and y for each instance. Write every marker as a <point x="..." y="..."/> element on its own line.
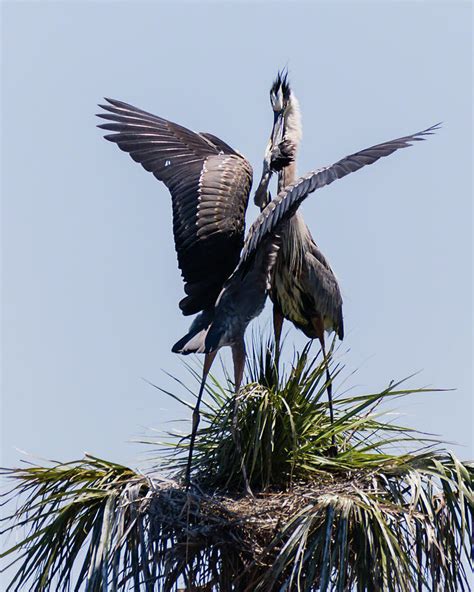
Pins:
<point x="90" y="281"/>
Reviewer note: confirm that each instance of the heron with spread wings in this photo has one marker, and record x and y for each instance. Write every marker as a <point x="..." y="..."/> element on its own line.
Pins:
<point x="227" y="275"/>
<point x="303" y="287"/>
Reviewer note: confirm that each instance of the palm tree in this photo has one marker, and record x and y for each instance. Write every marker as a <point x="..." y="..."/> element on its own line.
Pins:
<point x="393" y="511"/>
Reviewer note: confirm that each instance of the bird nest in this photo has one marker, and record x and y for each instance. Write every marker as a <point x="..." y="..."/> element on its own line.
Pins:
<point x="368" y="518"/>
<point x="246" y="524"/>
<point x="326" y="534"/>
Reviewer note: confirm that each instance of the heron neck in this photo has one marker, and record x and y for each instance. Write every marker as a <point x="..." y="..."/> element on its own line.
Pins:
<point x="287" y="176"/>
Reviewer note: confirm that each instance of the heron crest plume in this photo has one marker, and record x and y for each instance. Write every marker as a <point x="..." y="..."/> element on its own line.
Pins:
<point x="284" y="102"/>
<point x="280" y="91"/>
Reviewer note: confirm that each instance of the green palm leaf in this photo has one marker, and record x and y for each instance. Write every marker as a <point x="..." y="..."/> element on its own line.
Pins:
<point x="379" y="516"/>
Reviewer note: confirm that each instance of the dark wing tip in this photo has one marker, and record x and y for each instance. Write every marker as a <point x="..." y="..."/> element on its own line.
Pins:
<point x="429" y="131"/>
<point x="111" y="108"/>
<point x="110" y="137"/>
<point x="118" y="107"/>
<point x="115" y="103"/>
<point x="105" y="126"/>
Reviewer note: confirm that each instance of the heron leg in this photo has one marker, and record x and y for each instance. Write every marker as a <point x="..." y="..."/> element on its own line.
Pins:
<point x="209" y="358"/>
<point x="318" y="325"/>
<point x="238" y="356"/>
<point x="277" y="327"/>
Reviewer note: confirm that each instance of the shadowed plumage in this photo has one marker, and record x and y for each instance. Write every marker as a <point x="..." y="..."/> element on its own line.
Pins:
<point x="209" y="183"/>
<point x="226" y="279"/>
<point x="303" y="287"/>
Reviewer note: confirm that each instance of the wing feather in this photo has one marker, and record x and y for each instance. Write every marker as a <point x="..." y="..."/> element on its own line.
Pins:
<point x="287" y="201"/>
<point x="209" y="183"/>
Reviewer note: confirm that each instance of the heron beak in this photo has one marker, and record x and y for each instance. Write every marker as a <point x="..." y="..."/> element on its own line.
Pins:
<point x="262" y="196"/>
<point x="278" y="130"/>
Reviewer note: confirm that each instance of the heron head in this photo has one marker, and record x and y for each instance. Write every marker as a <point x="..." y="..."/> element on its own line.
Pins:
<point x="286" y="133"/>
<point x="285" y="136"/>
<point x="280" y="93"/>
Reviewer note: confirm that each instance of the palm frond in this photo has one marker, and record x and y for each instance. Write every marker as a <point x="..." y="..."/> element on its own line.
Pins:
<point x="285" y="428"/>
<point x="392" y="511"/>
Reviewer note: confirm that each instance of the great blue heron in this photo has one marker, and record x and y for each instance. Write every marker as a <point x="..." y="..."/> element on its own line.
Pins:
<point x="303" y="287"/>
<point x="226" y="279"/>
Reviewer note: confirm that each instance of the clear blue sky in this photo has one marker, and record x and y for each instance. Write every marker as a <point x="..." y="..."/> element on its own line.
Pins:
<point x="90" y="280"/>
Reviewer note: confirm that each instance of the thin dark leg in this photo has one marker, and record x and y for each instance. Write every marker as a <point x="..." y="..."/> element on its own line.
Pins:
<point x="277" y="327"/>
<point x="329" y="387"/>
<point x="207" y="366"/>
<point x="238" y="356"/>
<point x="319" y="327"/>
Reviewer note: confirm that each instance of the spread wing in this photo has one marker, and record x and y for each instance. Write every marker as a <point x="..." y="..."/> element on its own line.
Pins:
<point x="209" y="184"/>
<point x="287" y="201"/>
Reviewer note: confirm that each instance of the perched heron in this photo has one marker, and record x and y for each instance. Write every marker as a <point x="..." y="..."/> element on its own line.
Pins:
<point x="226" y="278"/>
<point x="303" y="287"/>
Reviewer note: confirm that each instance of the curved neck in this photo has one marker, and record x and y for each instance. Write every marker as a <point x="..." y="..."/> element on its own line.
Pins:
<point x="286" y="176"/>
<point x="292" y="136"/>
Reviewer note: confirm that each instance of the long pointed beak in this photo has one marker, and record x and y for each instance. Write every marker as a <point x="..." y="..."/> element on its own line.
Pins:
<point x="262" y="197"/>
<point x="277" y="131"/>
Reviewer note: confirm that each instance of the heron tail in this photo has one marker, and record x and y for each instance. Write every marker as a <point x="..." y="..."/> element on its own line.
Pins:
<point x="194" y="341"/>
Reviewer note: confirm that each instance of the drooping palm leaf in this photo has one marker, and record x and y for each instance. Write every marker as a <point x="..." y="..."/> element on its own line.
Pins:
<point x="373" y="518"/>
